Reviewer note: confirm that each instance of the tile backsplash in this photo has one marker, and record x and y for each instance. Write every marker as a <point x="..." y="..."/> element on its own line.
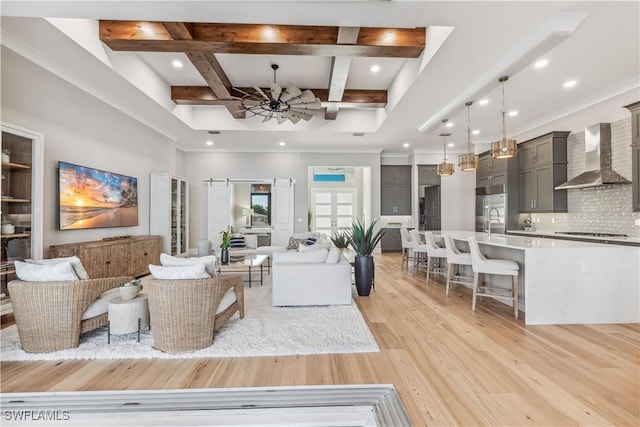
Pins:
<point x="598" y="209"/>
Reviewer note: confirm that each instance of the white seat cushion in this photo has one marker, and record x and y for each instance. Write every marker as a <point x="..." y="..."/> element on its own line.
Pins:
<point x="76" y="264"/>
<point x="226" y="301"/>
<point x="195" y="271"/>
<point x="319" y="255"/>
<point x="101" y="304"/>
<point x="500" y="266"/>
<point x="209" y="262"/>
<point x="54" y="272"/>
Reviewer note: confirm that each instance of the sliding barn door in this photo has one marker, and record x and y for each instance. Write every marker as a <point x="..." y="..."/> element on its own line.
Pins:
<point x="218" y="211"/>
<point x="282" y="215"/>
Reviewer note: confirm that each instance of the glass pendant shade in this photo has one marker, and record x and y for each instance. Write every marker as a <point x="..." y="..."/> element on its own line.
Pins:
<point x="469" y="160"/>
<point x="506" y="147"/>
<point x="445" y="168"/>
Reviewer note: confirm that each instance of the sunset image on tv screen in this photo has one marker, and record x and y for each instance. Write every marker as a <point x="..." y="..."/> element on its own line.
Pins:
<point x="91" y="198"/>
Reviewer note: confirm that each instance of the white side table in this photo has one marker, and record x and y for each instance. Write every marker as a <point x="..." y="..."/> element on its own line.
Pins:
<point x="128" y="316"/>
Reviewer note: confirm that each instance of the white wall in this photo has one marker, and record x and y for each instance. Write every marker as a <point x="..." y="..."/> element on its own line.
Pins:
<point x="199" y="166"/>
<point x="80" y="129"/>
<point x="457" y="194"/>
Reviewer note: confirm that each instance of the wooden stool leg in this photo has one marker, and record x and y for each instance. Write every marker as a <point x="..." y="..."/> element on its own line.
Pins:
<point x="403" y="261"/>
<point x="477" y="278"/>
<point x="515" y="295"/>
<point x="449" y="275"/>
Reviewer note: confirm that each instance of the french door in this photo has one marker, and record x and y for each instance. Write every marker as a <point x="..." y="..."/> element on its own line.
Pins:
<point x="333" y="210"/>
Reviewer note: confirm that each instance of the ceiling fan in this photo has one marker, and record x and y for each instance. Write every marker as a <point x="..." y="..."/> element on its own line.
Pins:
<point x="284" y="104"/>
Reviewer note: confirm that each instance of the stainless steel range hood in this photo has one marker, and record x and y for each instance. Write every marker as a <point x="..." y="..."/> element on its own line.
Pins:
<point x="597" y="145"/>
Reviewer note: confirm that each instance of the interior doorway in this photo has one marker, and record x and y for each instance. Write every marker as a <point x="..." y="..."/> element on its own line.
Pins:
<point x="333" y="210"/>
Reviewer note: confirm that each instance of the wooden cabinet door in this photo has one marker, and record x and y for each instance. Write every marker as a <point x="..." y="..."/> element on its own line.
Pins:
<point x="387" y="206"/>
<point x="543" y="187"/>
<point x="525" y="190"/>
<point x="402" y="198"/>
<point x="143" y="253"/>
<point x="403" y="175"/>
<point x="635" y="166"/>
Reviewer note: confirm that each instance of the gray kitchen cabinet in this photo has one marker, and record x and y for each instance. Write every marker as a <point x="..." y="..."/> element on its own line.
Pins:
<point x="395" y="194"/>
<point x="428" y="175"/>
<point x="543" y="166"/>
<point x="635" y="154"/>
<point x="391" y="240"/>
<point x="493" y="171"/>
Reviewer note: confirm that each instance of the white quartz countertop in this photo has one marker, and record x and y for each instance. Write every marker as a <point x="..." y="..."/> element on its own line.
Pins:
<point x="550" y="234"/>
<point x="517" y="242"/>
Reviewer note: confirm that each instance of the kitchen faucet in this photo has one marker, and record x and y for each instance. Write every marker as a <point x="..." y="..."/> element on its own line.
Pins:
<point x="490" y="221"/>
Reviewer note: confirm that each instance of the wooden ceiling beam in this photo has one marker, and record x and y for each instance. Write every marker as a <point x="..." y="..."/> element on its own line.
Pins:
<point x="262" y="39"/>
<point x="340" y="66"/>
<point x="203" y="95"/>
<point x="207" y="65"/>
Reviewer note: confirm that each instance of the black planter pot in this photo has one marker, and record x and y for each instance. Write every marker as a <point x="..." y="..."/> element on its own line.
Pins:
<point x="224" y="256"/>
<point x="363" y="268"/>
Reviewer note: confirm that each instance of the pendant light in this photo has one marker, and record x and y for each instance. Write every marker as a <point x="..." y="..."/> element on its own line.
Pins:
<point x="505" y="148"/>
<point x="469" y="160"/>
<point x="444" y="168"/>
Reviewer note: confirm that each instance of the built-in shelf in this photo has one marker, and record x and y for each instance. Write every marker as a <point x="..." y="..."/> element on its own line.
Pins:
<point x="7" y="271"/>
<point x="14" y="200"/>
<point x="14" y="236"/>
<point x="10" y="165"/>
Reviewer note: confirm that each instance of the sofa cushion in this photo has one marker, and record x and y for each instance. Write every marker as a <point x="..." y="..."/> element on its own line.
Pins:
<point x="333" y="256"/>
<point x="320" y="244"/>
<point x="294" y="242"/>
<point x="101" y="304"/>
<point x="209" y="262"/>
<point x="226" y="301"/>
<point x="195" y="271"/>
<point x="318" y="256"/>
<point x="76" y="264"/>
<point x="53" y="272"/>
<point x="251" y="240"/>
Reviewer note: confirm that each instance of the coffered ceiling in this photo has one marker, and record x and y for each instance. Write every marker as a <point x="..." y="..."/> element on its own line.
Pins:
<point x="432" y="57"/>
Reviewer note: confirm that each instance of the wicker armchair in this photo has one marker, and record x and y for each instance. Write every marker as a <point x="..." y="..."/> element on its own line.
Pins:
<point x="183" y="312"/>
<point x="48" y="314"/>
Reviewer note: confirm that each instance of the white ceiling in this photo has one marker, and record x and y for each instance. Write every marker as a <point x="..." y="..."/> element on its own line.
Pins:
<point x="595" y="43"/>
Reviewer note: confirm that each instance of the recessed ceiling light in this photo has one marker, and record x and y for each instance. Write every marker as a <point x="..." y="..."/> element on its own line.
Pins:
<point x="451" y="144"/>
<point x="483" y="102"/>
<point x="406" y="145"/>
<point x="282" y="143"/>
<point x="176" y="63"/>
<point x="268" y="33"/>
<point x="476" y="132"/>
<point x="541" y="64"/>
<point x="449" y="125"/>
<point x="570" y="83"/>
<point x="389" y="36"/>
<point x="513" y="113"/>
<point x="375" y="68"/>
<point x="147" y="29"/>
<point x="210" y="143"/>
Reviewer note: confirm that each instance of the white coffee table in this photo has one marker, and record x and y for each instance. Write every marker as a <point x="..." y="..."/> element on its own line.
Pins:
<point x="128" y="316"/>
<point x="244" y="264"/>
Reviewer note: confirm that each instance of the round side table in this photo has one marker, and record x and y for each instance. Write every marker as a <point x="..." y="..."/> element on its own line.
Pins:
<point x="128" y="316"/>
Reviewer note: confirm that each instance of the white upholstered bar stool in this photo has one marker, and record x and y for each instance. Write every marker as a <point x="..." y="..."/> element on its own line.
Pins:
<point x="420" y="255"/>
<point x="481" y="266"/>
<point x="435" y="254"/>
<point x="456" y="258"/>
<point x="406" y="247"/>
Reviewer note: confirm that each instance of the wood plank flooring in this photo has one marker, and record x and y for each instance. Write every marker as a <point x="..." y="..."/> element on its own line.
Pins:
<point x="450" y="366"/>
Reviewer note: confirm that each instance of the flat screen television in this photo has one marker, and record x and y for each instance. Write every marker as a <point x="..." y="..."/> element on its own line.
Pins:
<point x="92" y="198"/>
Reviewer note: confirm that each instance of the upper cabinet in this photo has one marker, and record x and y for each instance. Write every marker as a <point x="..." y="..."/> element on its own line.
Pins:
<point x="395" y="195"/>
<point x="428" y="175"/>
<point x="169" y="212"/>
<point x="635" y="154"/>
<point x="494" y="171"/>
<point x="542" y="165"/>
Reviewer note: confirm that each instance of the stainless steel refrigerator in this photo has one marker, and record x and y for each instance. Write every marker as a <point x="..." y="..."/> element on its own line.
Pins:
<point x="495" y="210"/>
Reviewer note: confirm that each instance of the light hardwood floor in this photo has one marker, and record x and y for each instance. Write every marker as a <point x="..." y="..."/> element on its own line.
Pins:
<point x="450" y="366"/>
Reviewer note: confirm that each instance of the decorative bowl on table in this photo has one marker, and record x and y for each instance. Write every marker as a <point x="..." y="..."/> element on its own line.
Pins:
<point x="130" y="290"/>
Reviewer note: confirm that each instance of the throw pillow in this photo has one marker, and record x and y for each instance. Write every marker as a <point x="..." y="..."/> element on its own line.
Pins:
<point x="294" y="242"/>
<point x="310" y="241"/>
<point x="334" y="256"/>
<point x="228" y="298"/>
<point x="251" y="240"/>
<point x="237" y="242"/>
<point x="101" y="304"/>
<point x="209" y="262"/>
<point x="54" y="272"/>
<point x="76" y="264"/>
<point x="195" y="271"/>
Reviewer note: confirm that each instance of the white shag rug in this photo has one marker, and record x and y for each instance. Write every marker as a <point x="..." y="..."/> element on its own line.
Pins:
<point x="264" y="331"/>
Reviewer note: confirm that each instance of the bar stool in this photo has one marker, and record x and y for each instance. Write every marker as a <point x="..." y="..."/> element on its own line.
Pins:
<point x="435" y="253"/>
<point x="481" y="266"/>
<point x="456" y="258"/>
<point x="419" y="250"/>
<point x="406" y="247"/>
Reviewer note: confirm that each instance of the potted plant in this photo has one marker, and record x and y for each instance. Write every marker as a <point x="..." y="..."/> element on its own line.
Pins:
<point x="6" y="155"/>
<point x="363" y="240"/>
<point x="224" y="245"/>
<point x="7" y="226"/>
<point x="340" y="240"/>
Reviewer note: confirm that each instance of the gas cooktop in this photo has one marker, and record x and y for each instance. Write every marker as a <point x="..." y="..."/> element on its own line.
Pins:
<point x="590" y="234"/>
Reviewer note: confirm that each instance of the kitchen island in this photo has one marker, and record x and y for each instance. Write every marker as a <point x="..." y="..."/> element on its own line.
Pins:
<point x="567" y="282"/>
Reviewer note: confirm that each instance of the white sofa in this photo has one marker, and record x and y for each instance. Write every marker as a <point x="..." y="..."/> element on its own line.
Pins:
<point x="306" y="278"/>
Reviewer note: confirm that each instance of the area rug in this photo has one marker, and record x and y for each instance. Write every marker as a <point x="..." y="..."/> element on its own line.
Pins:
<point x="264" y="331"/>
